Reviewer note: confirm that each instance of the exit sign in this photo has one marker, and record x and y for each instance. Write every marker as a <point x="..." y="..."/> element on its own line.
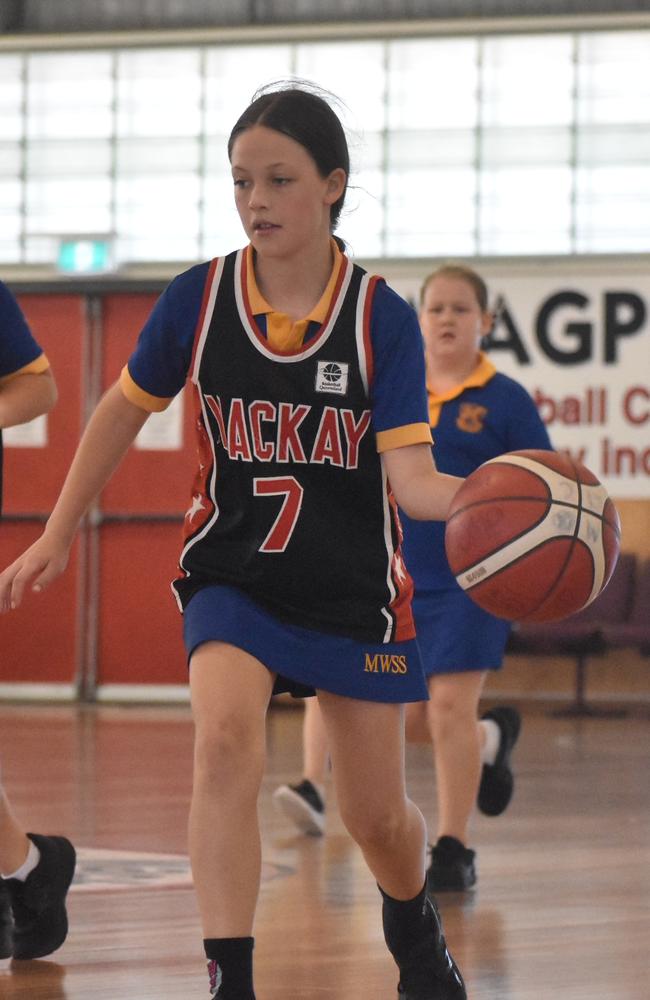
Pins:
<point x="85" y="255"/>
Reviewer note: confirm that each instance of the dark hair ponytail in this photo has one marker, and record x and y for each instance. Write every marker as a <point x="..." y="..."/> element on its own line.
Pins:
<point x="301" y="112"/>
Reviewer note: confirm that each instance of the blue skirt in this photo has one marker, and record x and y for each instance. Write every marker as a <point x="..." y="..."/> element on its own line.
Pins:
<point x="455" y="635"/>
<point x="304" y="660"/>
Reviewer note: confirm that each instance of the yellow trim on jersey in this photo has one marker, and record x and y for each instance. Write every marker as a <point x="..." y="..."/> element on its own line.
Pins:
<point x="138" y="396"/>
<point x="482" y="373"/>
<point x="282" y="333"/>
<point x="400" y="437"/>
<point x="35" y="367"/>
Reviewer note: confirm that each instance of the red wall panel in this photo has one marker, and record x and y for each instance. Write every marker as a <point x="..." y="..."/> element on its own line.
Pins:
<point x="149" y="482"/>
<point x="140" y="626"/>
<point x="39" y="641"/>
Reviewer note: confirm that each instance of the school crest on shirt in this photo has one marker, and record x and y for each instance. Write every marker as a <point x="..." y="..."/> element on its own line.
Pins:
<point x="332" y="376"/>
<point x="471" y="417"/>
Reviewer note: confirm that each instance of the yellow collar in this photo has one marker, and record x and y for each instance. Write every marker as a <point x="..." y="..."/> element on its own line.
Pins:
<point x="482" y="373"/>
<point x="259" y="305"/>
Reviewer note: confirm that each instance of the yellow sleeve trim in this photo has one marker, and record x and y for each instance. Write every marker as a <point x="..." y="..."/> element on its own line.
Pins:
<point x="138" y="396"/>
<point x="400" y="437"/>
<point x="35" y="367"/>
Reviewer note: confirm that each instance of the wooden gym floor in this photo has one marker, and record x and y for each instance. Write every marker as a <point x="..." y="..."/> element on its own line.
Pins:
<point x="562" y="906"/>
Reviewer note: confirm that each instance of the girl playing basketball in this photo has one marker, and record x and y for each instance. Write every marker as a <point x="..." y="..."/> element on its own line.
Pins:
<point x="308" y="379"/>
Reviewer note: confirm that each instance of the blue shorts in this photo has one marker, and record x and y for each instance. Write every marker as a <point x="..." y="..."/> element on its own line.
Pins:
<point x="455" y="635"/>
<point x="303" y="659"/>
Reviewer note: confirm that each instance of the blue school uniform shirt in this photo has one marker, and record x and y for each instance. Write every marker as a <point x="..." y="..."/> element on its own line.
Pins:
<point x="487" y="415"/>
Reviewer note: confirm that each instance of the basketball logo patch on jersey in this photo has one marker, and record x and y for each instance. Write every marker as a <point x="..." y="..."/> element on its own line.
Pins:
<point x="332" y="376"/>
<point x="471" y="417"/>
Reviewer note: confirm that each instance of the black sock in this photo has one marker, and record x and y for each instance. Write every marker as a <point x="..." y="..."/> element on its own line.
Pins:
<point x="233" y="969"/>
<point x="403" y="920"/>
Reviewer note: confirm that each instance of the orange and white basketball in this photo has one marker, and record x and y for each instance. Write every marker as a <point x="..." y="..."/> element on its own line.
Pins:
<point x="532" y="536"/>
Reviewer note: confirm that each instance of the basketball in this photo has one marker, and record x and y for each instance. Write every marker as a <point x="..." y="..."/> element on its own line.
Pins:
<point x="532" y="536"/>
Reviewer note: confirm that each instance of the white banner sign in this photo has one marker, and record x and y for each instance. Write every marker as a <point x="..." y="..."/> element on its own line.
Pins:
<point x="163" y="431"/>
<point x="581" y="346"/>
<point x="30" y="435"/>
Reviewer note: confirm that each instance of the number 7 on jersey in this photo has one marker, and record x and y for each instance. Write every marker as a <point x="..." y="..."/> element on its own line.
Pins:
<point x="282" y="528"/>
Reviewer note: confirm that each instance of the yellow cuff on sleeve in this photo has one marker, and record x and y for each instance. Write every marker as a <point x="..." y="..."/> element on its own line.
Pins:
<point x="138" y="396"/>
<point x="35" y="367"/>
<point x="400" y="437"/>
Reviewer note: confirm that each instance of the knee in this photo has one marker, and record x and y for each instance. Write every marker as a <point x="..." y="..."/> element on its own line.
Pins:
<point x="227" y="751"/>
<point x="444" y="704"/>
<point x="382" y="828"/>
<point x="448" y="712"/>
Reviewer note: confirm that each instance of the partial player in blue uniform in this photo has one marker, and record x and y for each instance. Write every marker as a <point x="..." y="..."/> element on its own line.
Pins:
<point x="36" y="870"/>
<point x="27" y="388"/>
<point x="307" y="379"/>
<point x="476" y="413"/>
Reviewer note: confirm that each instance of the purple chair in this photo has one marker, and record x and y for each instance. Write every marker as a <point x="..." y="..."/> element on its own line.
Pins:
<point x="583" y="634"/>
<point x="633" y="632"/>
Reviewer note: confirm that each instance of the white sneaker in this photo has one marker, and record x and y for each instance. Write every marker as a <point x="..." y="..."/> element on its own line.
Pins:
<point x="303" y="805"/>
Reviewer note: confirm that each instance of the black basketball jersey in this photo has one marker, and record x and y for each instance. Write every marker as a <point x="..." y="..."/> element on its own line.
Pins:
<point x="291" y="502"/>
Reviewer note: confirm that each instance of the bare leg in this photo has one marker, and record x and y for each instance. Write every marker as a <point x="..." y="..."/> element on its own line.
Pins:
<point x="367" y="746"/>
<point x="314" y="744"/>
<point x="230" y="693"/>
<point x="457" y="739"/>
<point x="304" y="802"/>
<point x="14" y="844"/>
<point x="417" y="722"/>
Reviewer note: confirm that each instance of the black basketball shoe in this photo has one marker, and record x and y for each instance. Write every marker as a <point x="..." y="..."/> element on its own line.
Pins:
<point x="452" y="867"/>
<point x="497" y="780"/>
<point x="6" y="923"/>
<point x="426" y="970"/>
<point x="38" y="903"/>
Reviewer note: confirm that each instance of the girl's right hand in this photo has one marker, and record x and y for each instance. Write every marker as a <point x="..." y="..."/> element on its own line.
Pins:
<point x="40" y="564"/>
